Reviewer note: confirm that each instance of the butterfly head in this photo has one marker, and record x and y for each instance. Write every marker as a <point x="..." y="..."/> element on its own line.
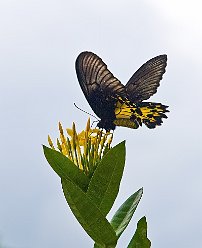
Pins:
<point x="106" y="124"/>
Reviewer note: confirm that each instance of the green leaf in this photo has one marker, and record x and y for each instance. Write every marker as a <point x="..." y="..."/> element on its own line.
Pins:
<point x="105" y="182"/>
<point x="101" y="246"/>
<point x="124" y="214"/>
<point x="139" y="239"/>
<point x="95" y="246"/>
<point x="65" y="168"/>
<point x="89" y="215"/>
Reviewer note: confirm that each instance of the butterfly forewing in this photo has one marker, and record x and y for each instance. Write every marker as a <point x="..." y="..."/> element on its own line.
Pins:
<point x="99" y="85"/>
<point x="92" y="73"/>
<point x="146" y="79"/>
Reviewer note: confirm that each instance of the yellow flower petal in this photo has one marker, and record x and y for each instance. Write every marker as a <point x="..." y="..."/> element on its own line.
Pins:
<point x="50" y="142"/>
<point x="86" y="148"/>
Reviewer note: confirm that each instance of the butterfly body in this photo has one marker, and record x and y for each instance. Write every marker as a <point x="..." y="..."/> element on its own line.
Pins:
<point x="116" y="104"/>
<point x="100" y="102"/>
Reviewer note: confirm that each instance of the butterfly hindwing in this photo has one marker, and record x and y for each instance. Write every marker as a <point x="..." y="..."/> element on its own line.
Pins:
<point x="146" y="79"/>
<point x="133" y="115"/>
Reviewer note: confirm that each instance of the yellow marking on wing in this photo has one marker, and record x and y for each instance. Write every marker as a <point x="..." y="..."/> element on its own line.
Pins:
<point x="128" y="114"/>
<point x="123" y="110"/>
<point x="125" y="123"/>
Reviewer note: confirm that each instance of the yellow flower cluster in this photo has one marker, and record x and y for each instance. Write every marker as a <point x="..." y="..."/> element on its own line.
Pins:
<point x="85" y="149"/>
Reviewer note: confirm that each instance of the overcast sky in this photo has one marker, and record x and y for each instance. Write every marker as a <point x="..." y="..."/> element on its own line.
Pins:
<point x="39" y="42"/>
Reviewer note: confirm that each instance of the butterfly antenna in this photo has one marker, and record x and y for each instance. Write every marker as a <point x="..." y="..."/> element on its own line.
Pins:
<point x="86" y="112"/>
<point x="93" y="123"/>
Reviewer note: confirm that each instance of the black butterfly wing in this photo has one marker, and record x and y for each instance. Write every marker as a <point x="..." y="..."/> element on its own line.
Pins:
<point x="98" y="84"/>
<point x="146" y="79"/>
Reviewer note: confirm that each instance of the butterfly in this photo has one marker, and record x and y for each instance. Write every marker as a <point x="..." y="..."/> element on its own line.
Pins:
<point x="119" y="105"/>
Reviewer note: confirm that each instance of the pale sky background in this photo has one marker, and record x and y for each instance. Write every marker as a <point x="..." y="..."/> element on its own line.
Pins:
<point x="39" y="42"/>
